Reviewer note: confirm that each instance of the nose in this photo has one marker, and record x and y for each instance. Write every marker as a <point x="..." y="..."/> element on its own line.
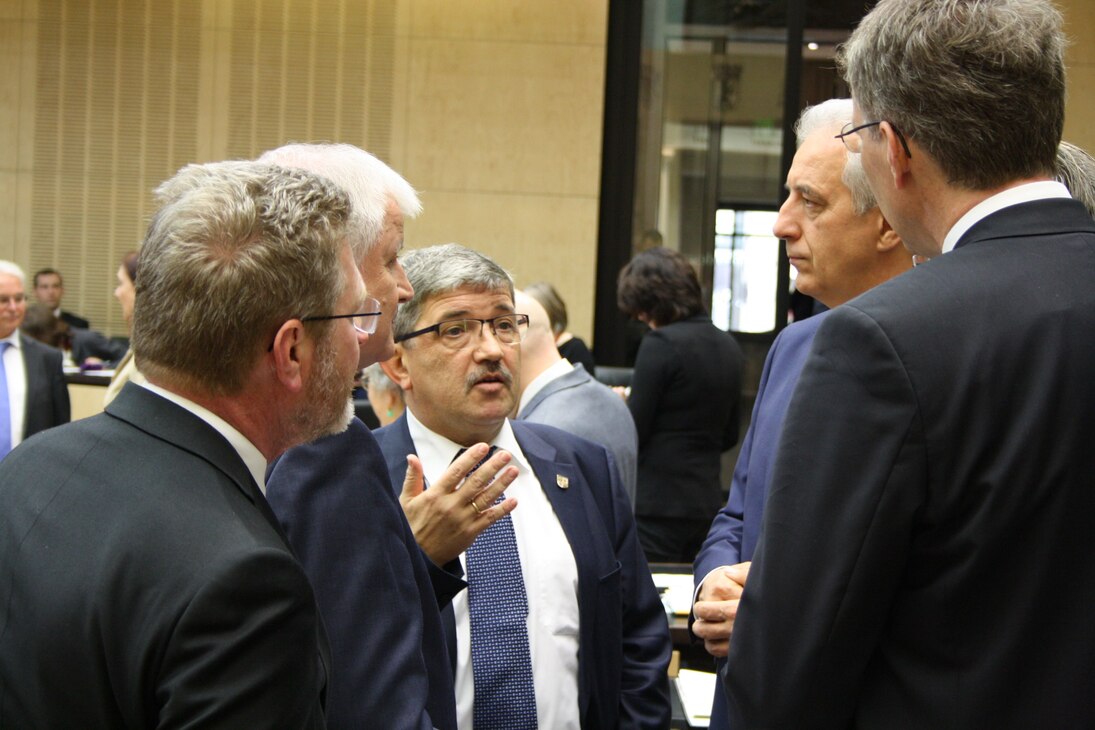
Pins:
<point x="487" y="346"/>
<point x="785" y="226"/>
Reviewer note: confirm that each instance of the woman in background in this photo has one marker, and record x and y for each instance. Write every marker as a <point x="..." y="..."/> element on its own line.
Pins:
<point x="684" y="398"/>
<point x="385" y="396"/>
<point x="125" y="293"/>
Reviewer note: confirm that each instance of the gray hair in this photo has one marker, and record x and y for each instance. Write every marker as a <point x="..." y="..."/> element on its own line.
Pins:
<point x="1076" y="170"/>
<point x="12" y="269"/>
<point x="236" y="249"/>
<point x="369" y="182"/>
<point x="375" y="375"/>
<point x="833" y="115"/>
<point x="978" y="84"/>
<point x="442" y="269"/>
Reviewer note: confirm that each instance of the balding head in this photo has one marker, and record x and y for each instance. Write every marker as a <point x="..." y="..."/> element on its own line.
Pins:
<point x="538" y="351"/>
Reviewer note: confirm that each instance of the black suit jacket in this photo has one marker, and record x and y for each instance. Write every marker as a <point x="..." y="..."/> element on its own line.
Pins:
<point x="685" y="395"/>
<point x="624" y="641"/>
<point x="928" y="551"/>
<point x="47" y="402"/>
<point x="75" y="320"/>
<point x="391" y="665"/>
<point x="144" y="582"/>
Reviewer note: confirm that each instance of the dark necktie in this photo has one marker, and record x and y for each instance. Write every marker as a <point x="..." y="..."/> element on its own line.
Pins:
<point x="498" y="612"/>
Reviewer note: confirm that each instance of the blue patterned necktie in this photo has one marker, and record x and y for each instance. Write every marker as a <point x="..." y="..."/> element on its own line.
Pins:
<point x="5" y="406"/>
<point x="505" y="698"/>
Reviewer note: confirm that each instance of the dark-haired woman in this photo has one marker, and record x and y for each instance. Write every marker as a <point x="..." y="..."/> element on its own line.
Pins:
<point x="684" y="398"/>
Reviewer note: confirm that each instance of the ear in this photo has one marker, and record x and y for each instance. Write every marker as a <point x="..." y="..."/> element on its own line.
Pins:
<point x="896" y="155"/>
<point x="395" y="368"/>
<point x="291" y="350"/>
<point x="888" y="239"/>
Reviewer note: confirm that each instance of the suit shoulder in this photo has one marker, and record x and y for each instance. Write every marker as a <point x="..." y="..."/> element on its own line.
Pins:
<point x="31" y="345"/>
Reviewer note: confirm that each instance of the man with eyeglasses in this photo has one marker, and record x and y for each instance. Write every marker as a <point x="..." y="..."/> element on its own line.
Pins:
<point x="33" y="394"/>
<point x="561" y="625"/>
<point x="378" y="578"/>
<point x="928" y="553"/>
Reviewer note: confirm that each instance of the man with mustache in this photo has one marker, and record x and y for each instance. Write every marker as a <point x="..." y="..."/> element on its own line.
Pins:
<point x="561" y="626"/>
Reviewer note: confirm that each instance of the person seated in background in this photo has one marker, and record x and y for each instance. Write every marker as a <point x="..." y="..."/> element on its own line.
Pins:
<point x="33" y="394"/>
<point x="569" y="345"/>
<point x="87" y="349"/>
<point x="385" y="397"/>
<point x="685" y="395"/>
<point x="126" y="370"/>
<point x="555" y="392"/>
<point x="841" y="245"/>
<point x="49" y="288"/>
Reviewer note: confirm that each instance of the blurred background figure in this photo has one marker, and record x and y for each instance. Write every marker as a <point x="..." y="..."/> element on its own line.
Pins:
<point x="125" y="293"/>
<point x="49" y="288"/>
<point x="385" y="396"/>
<point x="685" y="394"/>
<point x="569" y="346"/>
<point x="1076" y="169"/>
<point x="33" y="394"/>
<point x="86" y="349"/>
<point x="564" y="395"/>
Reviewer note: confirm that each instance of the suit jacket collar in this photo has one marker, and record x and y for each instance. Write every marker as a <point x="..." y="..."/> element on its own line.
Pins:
<point x="1036" y="218"/>
<point x="571" y="379"/>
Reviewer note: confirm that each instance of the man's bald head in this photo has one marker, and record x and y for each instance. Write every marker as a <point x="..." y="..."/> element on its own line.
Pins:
<point x="538" y="351"/>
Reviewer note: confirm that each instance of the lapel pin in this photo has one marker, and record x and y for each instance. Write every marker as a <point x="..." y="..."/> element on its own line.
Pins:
<point x="562" y="481"/>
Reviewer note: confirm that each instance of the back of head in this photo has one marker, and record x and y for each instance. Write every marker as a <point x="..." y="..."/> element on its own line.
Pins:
<point x="1076" y="170"/>
<point x="661" y="285"/>
<point x="829" y="117"/>
<point x="369" y="182"/>
<point x="442" y="269"/>
<point x="978" y="84"/>
<point x="538" y="346"/>
<point x="236" y="250"/>
<point x="553" y="304"/>
<point x="41" y="324"/>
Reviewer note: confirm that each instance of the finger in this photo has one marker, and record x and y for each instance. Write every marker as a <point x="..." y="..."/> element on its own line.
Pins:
<point x="454" y="475"/>
<point x="488" y="471"/>
<point x="498" y="511"/>
<point x="738" y="573"/>
<point x="413" y="482"/>
<point x="710" y="610"/>
<point x="717" y="649"/>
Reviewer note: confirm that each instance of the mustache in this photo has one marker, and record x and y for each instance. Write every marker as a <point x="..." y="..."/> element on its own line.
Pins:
<point x="496" y="369"/>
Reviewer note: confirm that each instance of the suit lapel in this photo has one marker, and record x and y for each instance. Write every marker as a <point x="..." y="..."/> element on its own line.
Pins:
<point x="1035" y="218"/>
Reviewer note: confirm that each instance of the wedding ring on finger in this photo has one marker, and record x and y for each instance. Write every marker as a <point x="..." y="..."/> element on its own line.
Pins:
<point x="475" y="506"/>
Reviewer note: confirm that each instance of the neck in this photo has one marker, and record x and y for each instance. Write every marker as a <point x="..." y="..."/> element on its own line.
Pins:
<point x="943" y="205"/>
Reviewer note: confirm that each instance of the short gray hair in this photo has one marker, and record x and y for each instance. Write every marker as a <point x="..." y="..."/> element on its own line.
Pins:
<point x="833" y="115"/>
<point x="1076" y="170"/>
<point x="978" y="84"/>
<point x="12" y="269"/>
<point x="236" y="249"/>
<point x="442" y="269"/>
<point x="375" y="376"/>
<point x="369" y="182"/>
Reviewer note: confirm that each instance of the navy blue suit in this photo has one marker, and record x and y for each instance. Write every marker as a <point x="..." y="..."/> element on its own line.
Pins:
<point x="927" y="551"/>
<point x="736" y="529"/>
<point x="390" y="665"/>
<point x="624" y="636"/>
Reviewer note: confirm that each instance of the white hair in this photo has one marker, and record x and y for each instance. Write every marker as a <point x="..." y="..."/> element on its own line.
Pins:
<point x="12" y="269"/>
<point x="833" y="115"/>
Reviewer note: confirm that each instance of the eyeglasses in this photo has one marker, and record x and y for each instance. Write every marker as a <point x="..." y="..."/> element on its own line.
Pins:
<point x="849" y="135"/>
<point x="509" y="329"/>
<point x="364" y="322"/>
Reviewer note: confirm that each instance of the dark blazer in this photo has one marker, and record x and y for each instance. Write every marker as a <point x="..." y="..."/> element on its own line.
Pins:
<point x="89" y="343"/>
<point x="734" y="533"/>
<point x="75" y="320"/>
<point x="624" y="641"/>
<point x="47" y="402"/>
<point x="685" y="393"/>
<point x="144" y="582"/>
<point x="927" y="552"/>
<point x="391" y="664"/>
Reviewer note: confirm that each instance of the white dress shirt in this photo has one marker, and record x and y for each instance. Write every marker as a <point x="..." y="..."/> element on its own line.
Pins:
<point x="1025" y="193"/>
<point x="252" y="457"/>
<point x="551" y="583"/>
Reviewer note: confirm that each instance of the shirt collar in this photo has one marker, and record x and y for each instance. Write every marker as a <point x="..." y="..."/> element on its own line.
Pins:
<point x="252" y="457"/>
<point x="13" y="338"/>
<point x="436" y="452"/>
<point x="557" y="370"/>
<point x="1025" y="193"/>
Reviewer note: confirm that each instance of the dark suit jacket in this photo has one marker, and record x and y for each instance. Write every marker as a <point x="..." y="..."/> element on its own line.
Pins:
<point x="684" y="398"/>
<point x="47" y="402"/>
<point x="927" y="552"/>
<point x="734" y="533"/>
<point x="89" y="343"/>
<point x="144" y="582"/>
<point x="340" y="512"/>
<point x="75" y="320"/>
<point x="624" y="641"/>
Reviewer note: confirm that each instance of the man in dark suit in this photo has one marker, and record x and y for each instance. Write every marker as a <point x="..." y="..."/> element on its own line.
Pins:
<point x="377" y="591"/>
<point x="33" y="394"/>
<point x="143" y="579"/>
<point x="927" y="552"/>
<point x="576" y="636"/>
<point x="49" y="288"/>
<point x="841" y="246"/>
